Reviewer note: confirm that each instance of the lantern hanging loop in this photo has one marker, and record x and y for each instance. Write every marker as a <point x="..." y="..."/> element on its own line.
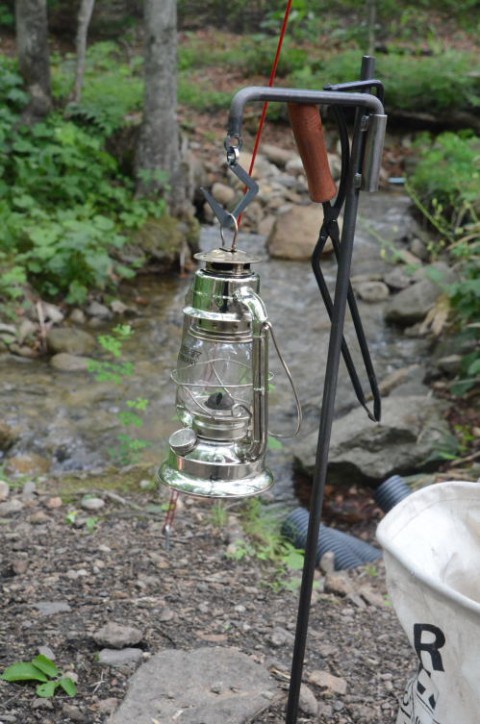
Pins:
<point x="232" y="223"/>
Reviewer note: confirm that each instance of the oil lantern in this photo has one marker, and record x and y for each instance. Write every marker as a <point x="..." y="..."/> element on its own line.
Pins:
<point x="222" y="383"/>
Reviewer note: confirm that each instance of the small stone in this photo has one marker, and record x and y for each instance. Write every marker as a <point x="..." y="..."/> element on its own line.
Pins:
<point x="65" y="362"/>
<point x="116" y="636"/>
<point x="146" y="484"/>
<point x="107" y="706"/>
<point x="74" y="713"/>
<point x="20" y="566"/>
<point x="165" y="614"/>
<point x="307" y="701"/>
<point x="281" y="637"/>
<point x="46" y="651"/>
<point x="327" y="562"/>
<point x="39" y="518"/>
<point x="10" y="507"/>
<point x="371" y="597"/>
<point x="338" y="583"/>
<point x="29" y="490"/>
<point x="42" y="704"/>
<point x="54" y="503"/>
<point x="325" y="680"/>
<point x="92" y="504"/>
<point x="50" y="608"/>
<point x="122" y="657"/>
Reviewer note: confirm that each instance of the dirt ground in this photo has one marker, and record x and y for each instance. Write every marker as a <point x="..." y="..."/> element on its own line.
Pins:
<point x="112" y="566"/>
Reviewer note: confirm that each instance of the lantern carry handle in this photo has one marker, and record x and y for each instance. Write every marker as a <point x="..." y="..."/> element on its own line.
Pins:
<point x="292" y="385"/>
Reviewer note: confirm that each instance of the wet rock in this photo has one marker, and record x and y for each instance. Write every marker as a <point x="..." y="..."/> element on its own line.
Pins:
<point x="70" y="363"/>
<point x="118" y="307"/>
<point x="116" y="636"/>
<point x="398" y="279"/>
<point x="413" y="304"/>
<point x="26" y="329"/>
<point x="71" y="341"/>
<point x="101" y="311"/>
<point x="187" y="680"/>
<point x="450" y="365"/>
<point x="77" y="316"/>
<point x="8" y="436"/>
<point x="4" y="491"/>
<point x="27" y="464"/>
<point x="51" y="313"/>
<point x="410" y="434"/>
<point x="419" y="248"/>
<point x="295" y="233"/>
<point x="372" y="291"/>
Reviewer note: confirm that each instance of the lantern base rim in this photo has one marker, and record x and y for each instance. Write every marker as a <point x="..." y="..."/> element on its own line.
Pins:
<point x="214" y="486"/>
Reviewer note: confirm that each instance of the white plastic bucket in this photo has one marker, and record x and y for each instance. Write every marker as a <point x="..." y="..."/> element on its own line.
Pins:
<point x="431" y="543"/>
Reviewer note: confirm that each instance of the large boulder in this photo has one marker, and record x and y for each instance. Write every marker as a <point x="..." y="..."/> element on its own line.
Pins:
<point x="70" y="341"/>
<point x="295" y="233"/>
<point x="408" y="440"/>
<point x="412" y="304"/>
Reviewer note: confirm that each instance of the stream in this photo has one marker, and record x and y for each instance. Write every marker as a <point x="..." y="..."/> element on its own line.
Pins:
<point x="70" y="420"/>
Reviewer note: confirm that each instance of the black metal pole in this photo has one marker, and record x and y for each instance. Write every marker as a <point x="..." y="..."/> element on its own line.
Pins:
<point x="328" y="403"/>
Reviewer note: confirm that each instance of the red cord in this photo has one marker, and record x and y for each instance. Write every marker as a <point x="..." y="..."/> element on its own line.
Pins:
<point x="270" y="84"/>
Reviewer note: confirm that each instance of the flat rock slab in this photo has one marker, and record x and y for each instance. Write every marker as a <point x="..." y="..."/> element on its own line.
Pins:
<point x="205" y="686"/>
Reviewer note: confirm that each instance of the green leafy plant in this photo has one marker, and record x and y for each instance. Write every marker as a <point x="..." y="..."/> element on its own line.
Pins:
<point x="114" y="368"/>
<point x="43" y="670"/>
<point x="265" y="543"/>
<point x="445" y="187"/>
<point x="67" y="209"/>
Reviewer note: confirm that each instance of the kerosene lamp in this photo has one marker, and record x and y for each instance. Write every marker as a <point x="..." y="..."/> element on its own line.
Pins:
<point x="222" y="382"/>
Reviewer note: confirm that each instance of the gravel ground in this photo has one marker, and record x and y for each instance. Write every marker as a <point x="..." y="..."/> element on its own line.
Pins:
<point x="62" y="582"/>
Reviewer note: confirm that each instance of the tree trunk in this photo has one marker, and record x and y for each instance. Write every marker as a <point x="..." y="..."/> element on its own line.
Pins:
<point x="84" y="17"/>
<point x="371" y="22"/>
<point x="33" y="54"/>
<point x="157" y="160"/>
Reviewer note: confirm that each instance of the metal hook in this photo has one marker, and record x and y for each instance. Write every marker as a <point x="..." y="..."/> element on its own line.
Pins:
<point x="228" y="219"/>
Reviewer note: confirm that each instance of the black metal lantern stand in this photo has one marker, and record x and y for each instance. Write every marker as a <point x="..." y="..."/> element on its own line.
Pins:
<point x="222" y="375"/>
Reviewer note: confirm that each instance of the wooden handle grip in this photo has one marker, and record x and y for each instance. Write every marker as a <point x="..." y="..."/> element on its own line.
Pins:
<point x="307" y="129"/>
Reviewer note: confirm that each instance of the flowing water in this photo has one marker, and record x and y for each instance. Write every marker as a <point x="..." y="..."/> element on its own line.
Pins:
<point x="71" y="420"/>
